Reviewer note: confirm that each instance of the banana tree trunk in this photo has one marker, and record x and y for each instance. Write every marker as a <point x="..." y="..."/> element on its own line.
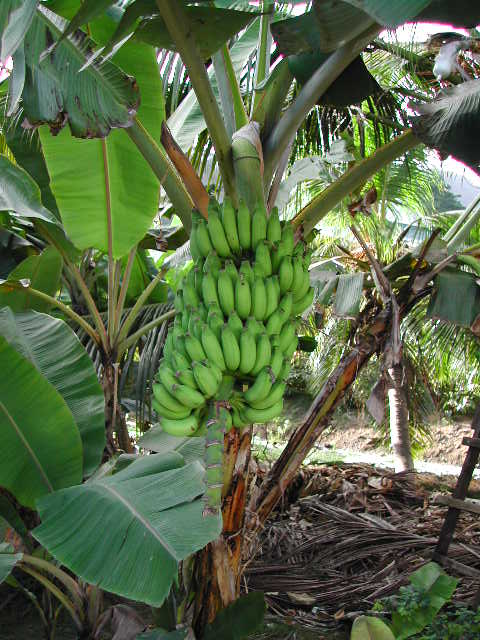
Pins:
<point x="217" y="567"/>
<point x="115" y="422"/>
<point x="399" y="431"/>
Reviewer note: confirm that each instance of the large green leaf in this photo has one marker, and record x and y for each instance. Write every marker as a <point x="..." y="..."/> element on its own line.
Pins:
<point x="349" y="295"/>
<point x="41" y="448"/>
<point x="389" y="13"/>
<point x="55" y="350"/>
<point x="20" y="194"/>
<point x="92" y="102"/>
<point x="126" y="535"/>
<point x="187" y="121"/>
<point x="461" y="13"/>
<point x="42" y="271"/>
<point x="15" y="18"/>
<point x="438" y="588"/>
<point x="8" y="559"/>
<point x="211" y="27"/>
<point x="88" y="175"/>
<point x="451" y="123"/>
<point x="27" y="151"/>
<point x="455" y="298"/>
<point x="155" y="439"/>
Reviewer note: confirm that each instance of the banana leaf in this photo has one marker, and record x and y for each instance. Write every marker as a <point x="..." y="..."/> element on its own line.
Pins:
<point x="41" y="447"/>
<point x="126" y="533"/>
<point x="56" y="352"/>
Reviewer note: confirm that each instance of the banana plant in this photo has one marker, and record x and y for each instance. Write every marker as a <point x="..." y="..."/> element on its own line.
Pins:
<point x="72" y="77"/>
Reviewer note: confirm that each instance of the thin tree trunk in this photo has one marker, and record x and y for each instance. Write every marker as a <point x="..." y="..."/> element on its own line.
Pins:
<point x="399" y="429"/>
<point x="115" y="422"/>
<point x="217" y="567"/>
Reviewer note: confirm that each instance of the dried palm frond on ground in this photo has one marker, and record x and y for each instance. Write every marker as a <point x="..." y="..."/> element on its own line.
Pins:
<point x="354" y="535"/>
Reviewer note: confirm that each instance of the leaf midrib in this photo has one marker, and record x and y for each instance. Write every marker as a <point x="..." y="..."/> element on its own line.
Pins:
<point x="27" y="446"/>
<point x="141" y="519"/>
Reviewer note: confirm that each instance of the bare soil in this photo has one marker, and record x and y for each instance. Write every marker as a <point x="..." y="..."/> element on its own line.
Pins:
<point x="443" y="443"/>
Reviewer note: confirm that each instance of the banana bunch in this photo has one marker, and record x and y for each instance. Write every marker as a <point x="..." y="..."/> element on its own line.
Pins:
<point x="234" y="334"/>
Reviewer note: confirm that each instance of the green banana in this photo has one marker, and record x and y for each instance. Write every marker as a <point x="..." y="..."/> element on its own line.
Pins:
<point x="195" y="326"/>
<point x="254" y="326"/>
<point x="303" y="289"/>
<point x="263" y="353"/>
<point x="279" y="251"/>
<point x="194" y="249"/>
<point x="209" y="290"/>
<point x="274" y="228"/>
<point x="186" y="377"/>
<point x="180" y="347"/>
<point x="212" y="264"/>
<point x="276" y="363"/>
<point x="206" y="380"/>
<point x="259" y="299"/>
<point x="244" y="226"/>
<point x="287" y="238"/>
<point x="292" y="347"/>
<point x="166" y="399"/>
<point x="226" y="293"/>
<point x="229" y="221"/>
<point x="237" y="420"/>
<point x="230" y="348"/>
<point x="166" y="376"/>
<point x="217" y="372"/>
<point x="262" y="258"/>
<point x="217" y="234"/>
<point x="190" y="295"/>
<point x="194" y="348"/>
<point x="174" y="415"/>
<point x="285" y="306"/>
<point x="178" y="303"/>
<point x="285" y="274"/>
<point x="248" y="351"/>
<point x="185" y="318"/>
<point x="275" y="323"/>
<point x="202" y="311"/>
<point x="285" y="369"/>
<point x="300" y="306"/>
<point x="261" y="386"/>
<point x="287" y="334"/>
<point x="211" y="346"/>
<point x="168" y="346"/>
<point x="187" y="396"/>
<point x="259" y="226"/>
<point x="271" y="297"/>
<point x="243" y="298"/>
<point x="297" y="278"/>
<point x="231" y="269"/>
<point x="235" y="324"/>
<point x="180" y="428"/>
<point x="307" y="259"/>
<point x="215" y="322"/>
<point x="276" y="394"/>
<point x="203" y="239"/>
<point x="263" y="415"/>
<point x="180" y="361"/>
<point x="247" y="271"/>
<point x="198" y="277"/>
<point x="276" y="282"/>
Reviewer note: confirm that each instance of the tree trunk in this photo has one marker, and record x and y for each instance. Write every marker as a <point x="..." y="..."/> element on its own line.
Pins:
<point x="317" y="419"/>
<point x="115" y="422"/>
<point x="217" y="567"/>
<point x="399" y="428"/>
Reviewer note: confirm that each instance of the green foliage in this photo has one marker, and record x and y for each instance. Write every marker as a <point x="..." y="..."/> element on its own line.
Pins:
<point x="454" y="624"/>
<point x="55" y="351"/>
<point x="41" y="450"/>
<point x="238" y="620"/>
<point x="416" y="605"/>
<point x="42" y="273"/>
<point x="153" y="518"/>
<point x="369" y="628"/>
<point x="8" y="559"/>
